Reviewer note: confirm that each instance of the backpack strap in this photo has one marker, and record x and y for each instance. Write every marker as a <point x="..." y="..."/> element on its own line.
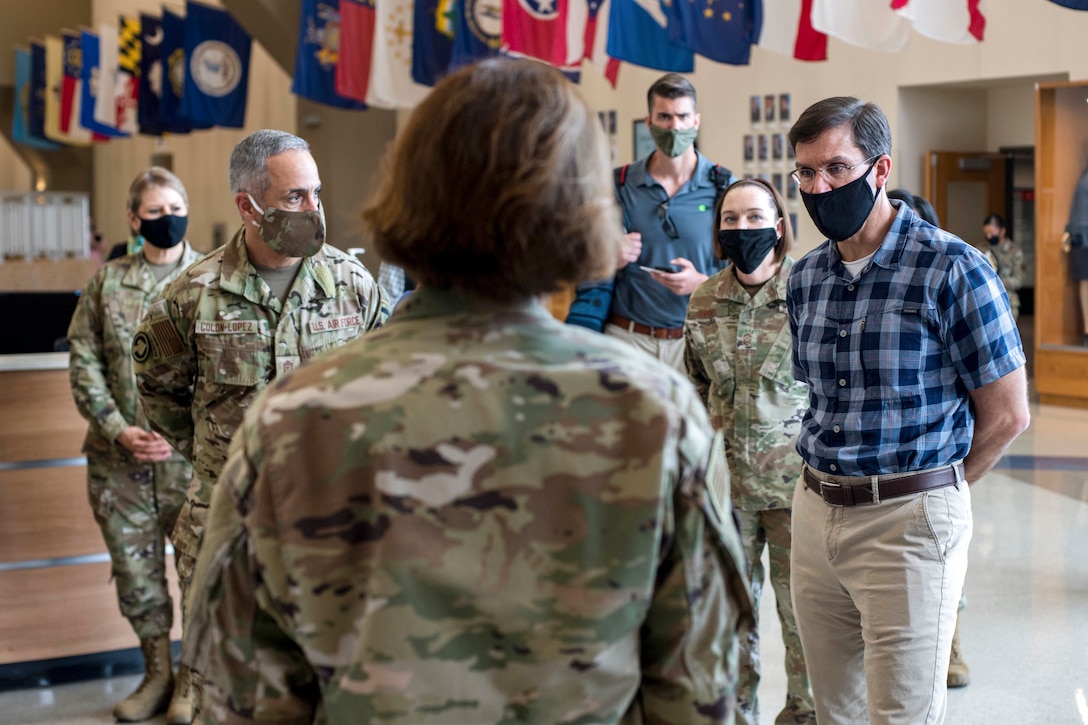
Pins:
<point x="720" y="175"/>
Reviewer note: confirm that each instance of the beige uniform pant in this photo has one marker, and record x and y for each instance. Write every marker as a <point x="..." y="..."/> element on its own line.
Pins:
<point x="875" y="589"/>
<point x="670" y="352"/>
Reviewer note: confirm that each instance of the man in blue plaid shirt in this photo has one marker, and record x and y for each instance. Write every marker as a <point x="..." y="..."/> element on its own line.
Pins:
<point x="916" y="380"/>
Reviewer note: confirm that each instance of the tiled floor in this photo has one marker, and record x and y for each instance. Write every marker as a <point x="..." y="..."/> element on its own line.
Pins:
<point x="1024" y="633"/>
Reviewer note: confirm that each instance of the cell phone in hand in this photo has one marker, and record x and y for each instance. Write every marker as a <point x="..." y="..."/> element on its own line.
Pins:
<point x="669" y="269"/>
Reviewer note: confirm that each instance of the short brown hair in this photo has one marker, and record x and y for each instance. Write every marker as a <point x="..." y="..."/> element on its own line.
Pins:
<point x="670" y="85"/>
<point x="155" y="176"/>
<point x="867" y="122"/>
<point x="499" y="187"/>
<point x="785" y="242"/>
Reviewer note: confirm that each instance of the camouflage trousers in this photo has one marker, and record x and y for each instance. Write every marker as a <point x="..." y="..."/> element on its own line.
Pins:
<point x="136" y="506"/>
<point x="189" y="529"/>
<point x="772" y="529"/>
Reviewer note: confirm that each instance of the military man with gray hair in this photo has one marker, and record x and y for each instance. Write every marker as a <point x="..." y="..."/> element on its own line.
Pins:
<point x="270" y="299"/>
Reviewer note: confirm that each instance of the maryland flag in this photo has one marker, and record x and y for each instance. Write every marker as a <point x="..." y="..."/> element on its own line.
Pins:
<point x="127" y="87"/>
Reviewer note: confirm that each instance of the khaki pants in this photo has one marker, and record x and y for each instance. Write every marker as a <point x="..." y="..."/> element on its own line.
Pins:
<point x="670" y="352"/>
<point x="875" y="589"/>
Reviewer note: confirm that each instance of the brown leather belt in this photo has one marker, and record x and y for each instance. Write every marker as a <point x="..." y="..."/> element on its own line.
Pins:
<point x="661" y="333"/>
<point x="874" y="489"/>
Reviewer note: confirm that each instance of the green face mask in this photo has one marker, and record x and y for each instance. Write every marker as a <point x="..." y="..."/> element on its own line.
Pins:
<point x="673" y="142"/>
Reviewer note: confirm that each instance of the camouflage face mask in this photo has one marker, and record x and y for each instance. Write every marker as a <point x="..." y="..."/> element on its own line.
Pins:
<point x="291" y="233"/>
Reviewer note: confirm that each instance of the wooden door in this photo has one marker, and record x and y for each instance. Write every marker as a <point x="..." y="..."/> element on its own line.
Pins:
<point x="966" y="186"/>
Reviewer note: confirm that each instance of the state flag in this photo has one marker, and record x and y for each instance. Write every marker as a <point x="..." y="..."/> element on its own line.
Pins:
<point x="71" y="90"/>
<point x="863" y="23"/>
<point x="722" y="30"/>
<point x="173" y="75"/>
<point x="432" y="49"/>
<point x="105" y="100"/>
<point x="20" y="123"/>
<point x="352" y="75"/>
<point x="318" y="53"/>
<point x="787" y="30"/>
<point x="638" y="33"/>
<point x="91" y="75"/>
<point x="217" y="52"/>
<point x="391" y="84"/>
<point x="477" y="31"/>
<point x="54" y="84"/>
<point x="596" y="41"/>
<point x="35" y="107"/>
<point x="445" y="20"/>
<point x="149" y="95"/>
<point x="549" y="30"/>
<point x="127" y="85"/>
<point x="949" y="21"/>
<point x="1072" y="4"/>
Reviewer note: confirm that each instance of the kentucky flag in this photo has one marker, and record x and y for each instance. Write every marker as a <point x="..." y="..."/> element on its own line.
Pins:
<point x="91" y="73"/>
<point x="638" y="33"/>
<point x="477" y="32"/>
<point x="217" y="69"/>
<point x="722" y="30"/>
<point x="318" y="53"/>
<point x="20" y="125"/>
<point x="150" y="93"/>
<point x="431" y="48"/>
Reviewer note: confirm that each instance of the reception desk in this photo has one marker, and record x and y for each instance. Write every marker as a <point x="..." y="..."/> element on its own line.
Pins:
<point x="56" y="596"/>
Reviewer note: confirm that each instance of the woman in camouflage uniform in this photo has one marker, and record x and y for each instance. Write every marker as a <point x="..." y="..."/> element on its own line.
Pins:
<point x="1007" y="258"/>
<point x="136" y="482"/>
<point x="739" y="357"/>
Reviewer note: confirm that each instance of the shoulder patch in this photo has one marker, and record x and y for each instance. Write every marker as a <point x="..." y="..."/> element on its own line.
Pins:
<point x="141" y="347"/>
<point x="167" y="341"/>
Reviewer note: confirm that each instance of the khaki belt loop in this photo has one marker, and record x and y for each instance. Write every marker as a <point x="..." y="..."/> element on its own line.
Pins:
<point x="876" y="488"/>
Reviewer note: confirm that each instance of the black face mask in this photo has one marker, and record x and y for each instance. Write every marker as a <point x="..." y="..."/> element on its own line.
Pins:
<point x="993" y="240"/>
<point x="747" y="248"/>
<point x="165" y="232"/>
<point x="840" y="213"/>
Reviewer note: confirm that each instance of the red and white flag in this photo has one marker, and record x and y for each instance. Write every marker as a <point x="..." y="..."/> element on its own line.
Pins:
<point x="871" y="24"/>
<point x="596" y="41"/>
<point x="949" y="21"/>
<point x="787" y="29"/>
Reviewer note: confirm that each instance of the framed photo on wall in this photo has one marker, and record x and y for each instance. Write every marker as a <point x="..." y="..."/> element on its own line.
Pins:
<point x="784" y="108"/>
<point x="643" y="141"/>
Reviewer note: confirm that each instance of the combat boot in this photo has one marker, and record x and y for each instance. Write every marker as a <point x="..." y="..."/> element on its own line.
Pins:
<point x="181" y="704"/>
<point x="153" y="693"/>
<point x="958" y="673"/>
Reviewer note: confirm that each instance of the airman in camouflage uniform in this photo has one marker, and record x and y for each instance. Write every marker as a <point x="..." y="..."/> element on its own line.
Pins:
<point x="738" y="354"/>
<point x="134" y="503"/>
<point x="1007" y="258"/>
<point x="412" y="559"/>
<point x="477" y="514"/>
<point x="136" y="481"/>
<point x="223" y="330"/>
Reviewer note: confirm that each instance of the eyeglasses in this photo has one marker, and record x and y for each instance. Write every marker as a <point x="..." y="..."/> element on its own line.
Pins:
<point x="666" y="221"/>
<point x="833" y="173"/>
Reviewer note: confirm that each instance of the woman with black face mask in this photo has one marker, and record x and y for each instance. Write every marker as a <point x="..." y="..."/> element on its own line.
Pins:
<point x="737" y="348"/>
<point x="136" y="482"/>
<point x="1007" y="258"/>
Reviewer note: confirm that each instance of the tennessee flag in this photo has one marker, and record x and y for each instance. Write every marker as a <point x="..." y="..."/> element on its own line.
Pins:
<point x="356" y="47"/>
<point x="548" y="30"/>
<point x="787" y="29"/>
<point x="949" y="21"/>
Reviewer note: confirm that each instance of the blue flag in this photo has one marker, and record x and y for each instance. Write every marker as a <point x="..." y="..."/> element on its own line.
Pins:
<point x="317" y="55"/>
<point x="477" y="32"/>
<point x="35" y="106"/>
<point x="722" y="30"/>
<point x="20" y="126"/>
<point x="151" y="80"/>
<point x="172" y="61"/>
<point x="217" y="67"/>
<point x="1072" y="4"/>
<point x="431" y="48"/>
<point x="638" y="34"/>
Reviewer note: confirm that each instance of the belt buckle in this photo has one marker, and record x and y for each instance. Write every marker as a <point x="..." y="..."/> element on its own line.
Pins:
<point x="830" y="484"/>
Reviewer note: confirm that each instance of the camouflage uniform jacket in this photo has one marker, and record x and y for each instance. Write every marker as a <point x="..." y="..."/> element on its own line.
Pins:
<point x="472" y="518"/>
<point x="1008" y="259"/>
<point x="100" y="361"/>
<point x="218" y="335"/>
<point x="737" y="349"/>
